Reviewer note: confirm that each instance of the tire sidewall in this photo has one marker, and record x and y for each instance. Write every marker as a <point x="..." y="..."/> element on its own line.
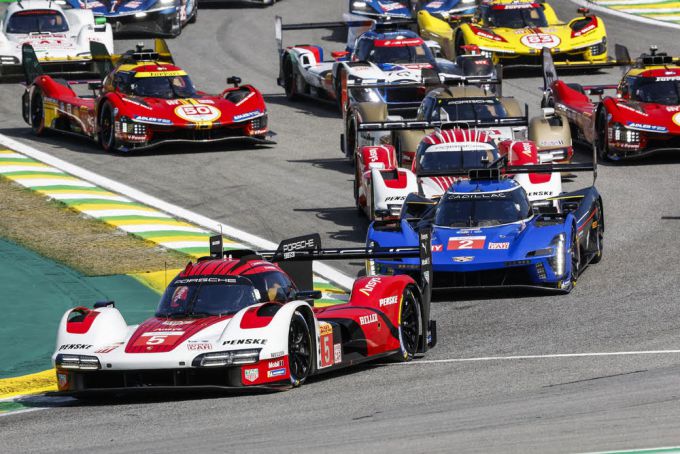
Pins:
<point x="298" y="381"/>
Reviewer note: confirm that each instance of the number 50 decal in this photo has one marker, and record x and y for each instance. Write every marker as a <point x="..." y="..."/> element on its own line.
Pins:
<point x="197" y="112"/>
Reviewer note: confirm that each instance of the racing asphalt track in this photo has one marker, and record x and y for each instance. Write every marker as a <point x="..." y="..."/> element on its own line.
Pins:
<point x="628" y="302"/>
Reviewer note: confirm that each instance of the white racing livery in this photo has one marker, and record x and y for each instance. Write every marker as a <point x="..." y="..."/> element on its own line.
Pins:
<point x="239" y="320"/>
<point x="60" y="37"/>
<point x="443" y="157"/>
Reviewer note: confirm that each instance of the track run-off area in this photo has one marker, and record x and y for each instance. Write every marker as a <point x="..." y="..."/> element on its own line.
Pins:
<point x="595" y="370"/>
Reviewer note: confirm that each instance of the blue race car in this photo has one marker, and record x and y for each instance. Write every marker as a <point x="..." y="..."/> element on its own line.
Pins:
<point x="148" y="17"/>
<point x="486" y="233"/>
<point x="405" y="9"/>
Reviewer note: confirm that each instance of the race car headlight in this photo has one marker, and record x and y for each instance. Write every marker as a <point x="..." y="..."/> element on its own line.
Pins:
<point x="127" y="126"/>
<point x="618" y="133"/>
<point x="557" y="261"/>
<point x="79" y="362"/>
<point x="229" y="358"/>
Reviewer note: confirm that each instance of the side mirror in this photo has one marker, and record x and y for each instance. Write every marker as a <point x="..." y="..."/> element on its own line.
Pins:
<point x="308" y="295"/>
<point x="584" y="11"/>
<point x="340" y="55"/>
<point x="93" y="86"/>
<point x="234" y="80"/>
<point x="99" y="304"/>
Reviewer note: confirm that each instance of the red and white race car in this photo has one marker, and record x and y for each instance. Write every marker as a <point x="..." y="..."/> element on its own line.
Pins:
<point x="242" y="320"/>
<point x="443" y="157"/>
<point x="643" y="117"/>
<point x="142" y="100"/>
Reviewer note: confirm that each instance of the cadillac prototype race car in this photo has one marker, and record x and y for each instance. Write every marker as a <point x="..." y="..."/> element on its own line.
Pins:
<point x="142" y="100"/>
<point x="443" y="157"/>
<point x="396" y="59"/>
<point x="61" y="38"/>
<point x="513" y="32"/>
<point x="243" y="320"/>
<point x="643" y="117"/>
<point x="149" y="17"/>
<point x="487" y="233"/>
<point x="501" y="117"/>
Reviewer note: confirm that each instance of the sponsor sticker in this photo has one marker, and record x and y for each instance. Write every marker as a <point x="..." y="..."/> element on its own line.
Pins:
<point x="463" y="259"/>
<point x="197" y="113"/>
<point x="245" y="342"/>
<point x="368" y="319"/>
<point x="277" y="354"/>
<point x="389" y="301"/>
<point x="540" y="40"/>
<point x="276" y="373"/>
<point x="367" y="289"/>
<point x="275" y="364"/>
<point x="75" y="347"/>
<point x="465" y="242"/>
<point x="251" y="374"/>
<point x="646" y="127"/>
<point x="153" y="120"/>
<point x="107" y="349"/>
<point x="326" y="343"/>
<point x="504" y="245"/>
<point x="337" y="352"/>
<point x="676" y="118"/>
<point x="199" y="346"/>
<point x="437" y="247"/>
<point x="247" y="115"/>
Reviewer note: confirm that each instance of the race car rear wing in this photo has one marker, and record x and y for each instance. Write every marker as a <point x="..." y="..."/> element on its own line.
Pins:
<point x="296" y="255"/>
<point x="549" y="66"/>
<point x="31" y="67"/>
<point x="417" y="124"/>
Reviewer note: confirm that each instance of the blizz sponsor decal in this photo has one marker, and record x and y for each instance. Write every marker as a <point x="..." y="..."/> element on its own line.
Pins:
<point x="251" y="374"/>
<point x="391" y="6"/>
<point x="503" y="245"/>
<point x="75" y="347"/>
<point x="465" y="242"/>
<point x="389" y="301"/>
<point x="245" y="342"/>
<point x="153" y="120"/>
<point x="368" y="319"/>
<point x="247" y="115"/>
<point x="646" y="127"/>
<point x="367" y="289"/>
<point x="540" y="40"/>
<point x="197" y="113"/>
<point x="276" y="373"/>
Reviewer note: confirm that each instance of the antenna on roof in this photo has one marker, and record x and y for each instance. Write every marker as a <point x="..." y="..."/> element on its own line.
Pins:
<point x="653" y="48"/>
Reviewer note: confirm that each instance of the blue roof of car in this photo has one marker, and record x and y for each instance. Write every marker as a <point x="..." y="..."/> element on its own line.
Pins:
<point x="483" y="185"/>
<point x="373" y="34"/>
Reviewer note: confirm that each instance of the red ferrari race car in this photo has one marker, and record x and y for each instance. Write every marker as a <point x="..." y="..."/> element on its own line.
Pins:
<point x="643" y="117"/>
<point x="242" y="319"/>
<point x="141" y="101"/>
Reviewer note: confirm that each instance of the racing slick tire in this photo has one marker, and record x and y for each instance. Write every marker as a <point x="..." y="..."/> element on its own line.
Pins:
<point x="351" y="138"/>
<point x="289" y="82"/>
<point x="300" y="349"/>
<point x="410" y="325"/>
<point x="37" y="112"/>
<point x="602" y="141"/>
<point x="598" y="235"/>
<point x="194" y="16"/>
<point x="107" y="128"/>
<point x="575" y="258"/>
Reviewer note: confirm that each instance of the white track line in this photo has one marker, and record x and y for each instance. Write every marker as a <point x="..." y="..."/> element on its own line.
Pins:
<point x="321" y="269"/>
<point x="549" y="356"/>
<point x="613" y="12"/>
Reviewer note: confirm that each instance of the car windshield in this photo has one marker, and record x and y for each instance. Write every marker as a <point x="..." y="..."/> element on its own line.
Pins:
<point x="205" y="296"/>
<point x="400" y="54"/>
<point x="660" y="90"/>
<point x="168" y="87"/>
<point x="503" y="16"/>
<point x="454" y="157"/>
<point x="482" y="209"/>
<point x="482" y="109"/>
<point x="37" y="21"/>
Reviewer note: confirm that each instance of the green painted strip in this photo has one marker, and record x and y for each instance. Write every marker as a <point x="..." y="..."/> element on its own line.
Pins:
<point x="6" y="407"/>
<point x="135" y="218"/>
<point x="76" y="202"/>
<point x="69" y="187"/>
<point x="32" y="173"/>
<point x="14" y="160"/>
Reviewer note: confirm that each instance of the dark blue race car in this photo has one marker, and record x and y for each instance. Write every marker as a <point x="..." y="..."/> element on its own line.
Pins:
<point x="404" y="9"/>
<point x="486" y="233"/>
<point x="147" y="17"/>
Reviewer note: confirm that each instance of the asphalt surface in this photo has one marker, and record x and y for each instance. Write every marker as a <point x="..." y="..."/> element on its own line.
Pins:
<point x="628" y="302"/>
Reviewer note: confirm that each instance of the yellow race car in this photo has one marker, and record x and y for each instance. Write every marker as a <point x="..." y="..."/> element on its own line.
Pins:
<point x="513" y="33"/>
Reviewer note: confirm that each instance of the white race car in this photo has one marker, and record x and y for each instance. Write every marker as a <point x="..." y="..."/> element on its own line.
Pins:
<point x="240" y="320"/>
<point x="443" y="157"/>
<point x="396" y="60"/>
<point x="60" y="37"/>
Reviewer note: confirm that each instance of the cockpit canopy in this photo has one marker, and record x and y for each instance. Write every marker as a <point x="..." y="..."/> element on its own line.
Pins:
<point x="483" y="209"/>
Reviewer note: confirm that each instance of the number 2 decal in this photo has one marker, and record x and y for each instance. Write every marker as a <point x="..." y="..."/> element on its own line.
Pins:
<point x="466" y="242"/>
